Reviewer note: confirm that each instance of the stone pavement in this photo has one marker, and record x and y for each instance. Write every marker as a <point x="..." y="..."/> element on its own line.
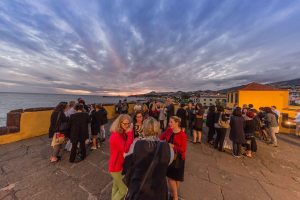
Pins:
<point x="274" y="173"/>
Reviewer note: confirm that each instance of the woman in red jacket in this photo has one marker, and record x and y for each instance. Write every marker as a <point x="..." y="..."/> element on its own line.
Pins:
<point x="177" y="140"/>
<point x="120" y="140"/>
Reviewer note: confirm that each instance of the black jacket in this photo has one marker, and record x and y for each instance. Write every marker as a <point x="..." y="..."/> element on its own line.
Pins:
<point x="237" y="133"/>
<point x="58" y="123"/>
<point x="182" y="113"/>
<point x="102" y="116"/>
<point x="210" y="119"/>
<point x="78" y="124"/>
<point x="95" y="123"/>
<point x="136" y="166"/>
<point x="98" y="118"/>
<point x="249" y="128"/>
<point x="170" y="110"/>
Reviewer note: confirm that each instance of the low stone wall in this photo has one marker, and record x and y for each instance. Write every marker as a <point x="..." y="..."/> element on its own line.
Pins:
<point x="32" y="122"/>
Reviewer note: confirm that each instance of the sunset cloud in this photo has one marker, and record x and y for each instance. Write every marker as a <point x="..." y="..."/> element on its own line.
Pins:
<point x="128" y="47"/>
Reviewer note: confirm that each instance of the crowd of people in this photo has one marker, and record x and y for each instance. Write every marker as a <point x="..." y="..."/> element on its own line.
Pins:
<point x="151" y="160"/>
<point x="69" y="124"/>
<point x="148" y="148"/>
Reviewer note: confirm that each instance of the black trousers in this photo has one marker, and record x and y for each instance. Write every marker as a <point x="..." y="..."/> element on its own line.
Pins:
<point x="211" y="133"/>
<point x="74" y="150"/>
<point x="236" y="148"/>
<point x="219" y="141"/>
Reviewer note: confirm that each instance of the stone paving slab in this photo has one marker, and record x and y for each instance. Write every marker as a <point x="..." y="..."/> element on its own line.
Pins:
<point x="273" y="173"/>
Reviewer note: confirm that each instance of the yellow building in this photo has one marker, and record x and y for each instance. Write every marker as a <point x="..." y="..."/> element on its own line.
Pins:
<point x="259" y="95"/>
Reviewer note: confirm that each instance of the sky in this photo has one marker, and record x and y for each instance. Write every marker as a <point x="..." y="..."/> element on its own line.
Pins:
<point x="114" y="47"/>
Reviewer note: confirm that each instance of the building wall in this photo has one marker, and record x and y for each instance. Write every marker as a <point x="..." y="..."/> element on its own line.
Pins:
<point x="208" y="100"/>
<point x="280" y="99"/>
<point x="232" y="99"/>
<point x="37" y="123"/>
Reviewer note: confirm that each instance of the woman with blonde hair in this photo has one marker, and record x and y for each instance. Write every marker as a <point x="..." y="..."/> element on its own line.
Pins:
<point x="177" y="140"/>
<point x="146" y="165"/>
<point x="120" y="140"/>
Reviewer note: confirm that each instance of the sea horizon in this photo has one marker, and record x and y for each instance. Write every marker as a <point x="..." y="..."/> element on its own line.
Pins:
<point x="20" y="100"/>
<point x="66" y="94"/>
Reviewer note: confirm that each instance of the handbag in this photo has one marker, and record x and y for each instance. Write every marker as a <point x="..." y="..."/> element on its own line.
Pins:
<point x="58" y="138"/>
<point x="178" y="162"/>
<point x="223" y="124"/>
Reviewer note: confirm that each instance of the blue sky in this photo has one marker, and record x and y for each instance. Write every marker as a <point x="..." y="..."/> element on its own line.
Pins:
<point x="135" y="46"/>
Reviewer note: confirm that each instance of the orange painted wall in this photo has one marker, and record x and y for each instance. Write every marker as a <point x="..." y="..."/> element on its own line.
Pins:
<point x="280" y="99"/>
<point x="37" y="123"/>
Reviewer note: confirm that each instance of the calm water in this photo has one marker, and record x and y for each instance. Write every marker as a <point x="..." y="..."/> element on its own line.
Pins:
<point x="12" y="101"/>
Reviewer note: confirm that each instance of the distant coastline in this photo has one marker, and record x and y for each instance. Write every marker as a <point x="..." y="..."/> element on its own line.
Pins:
<point x="79" y="95"/>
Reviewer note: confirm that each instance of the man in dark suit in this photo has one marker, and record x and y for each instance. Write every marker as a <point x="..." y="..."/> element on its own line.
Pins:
<point x="78" y="124"/>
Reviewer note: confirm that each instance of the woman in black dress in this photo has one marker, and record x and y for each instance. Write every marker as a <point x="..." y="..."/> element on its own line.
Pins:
<point x="182" y="114"/>
<point x="95" y="127"/>
<point x="198" y="123"/>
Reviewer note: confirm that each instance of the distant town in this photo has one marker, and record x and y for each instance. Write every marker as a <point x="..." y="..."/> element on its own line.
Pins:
<point x="210" y="97"/>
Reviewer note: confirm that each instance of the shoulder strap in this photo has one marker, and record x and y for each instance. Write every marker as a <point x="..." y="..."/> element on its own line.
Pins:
<point x="149" y="169"/>
<point x="220" y="117"/>
<point x="171" y="139"/>
<point x="57" y="121"/>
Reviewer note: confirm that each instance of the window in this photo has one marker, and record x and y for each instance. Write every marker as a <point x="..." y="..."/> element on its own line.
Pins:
<point x="204" y="99"/>
<point x="231" y="100"/>
<point x="236" y="97"/>
<point x="210" y="99"/>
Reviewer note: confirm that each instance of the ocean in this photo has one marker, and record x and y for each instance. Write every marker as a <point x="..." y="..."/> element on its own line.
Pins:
<point x="13" y="101"/>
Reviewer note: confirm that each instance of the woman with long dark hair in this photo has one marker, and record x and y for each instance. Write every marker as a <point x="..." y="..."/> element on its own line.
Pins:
<point x="221" y="126"/>
<point x="58" y="128"/>
<point x="138" y="119"/>
<point x="198" y="123"/>
<point x="182" y="114"/>
<point x="95" y="126"/>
